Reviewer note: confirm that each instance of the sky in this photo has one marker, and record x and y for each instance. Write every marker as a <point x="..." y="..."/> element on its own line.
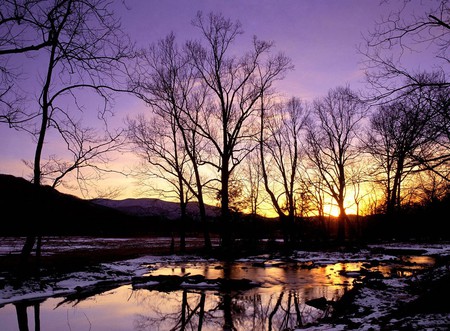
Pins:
<point x="321" y="38"/>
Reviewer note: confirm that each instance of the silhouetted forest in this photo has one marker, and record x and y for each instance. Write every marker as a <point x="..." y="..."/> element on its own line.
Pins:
<point x="63" y="214"/>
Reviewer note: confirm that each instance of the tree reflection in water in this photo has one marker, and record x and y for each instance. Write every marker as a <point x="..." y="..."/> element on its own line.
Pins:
<point x="186" y="309"/>
<point x="22" y="314"/>
<point x="277" y="304"/>
<point x="209" y="310"/>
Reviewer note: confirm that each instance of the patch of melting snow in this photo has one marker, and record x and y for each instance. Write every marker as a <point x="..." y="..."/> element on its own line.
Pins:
<point x="429" y="249"/>
<point x="201" y="285"/>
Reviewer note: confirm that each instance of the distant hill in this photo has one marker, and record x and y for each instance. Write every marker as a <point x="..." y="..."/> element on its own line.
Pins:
<point x="148" y="207"/>
<point x="27" y="208"/>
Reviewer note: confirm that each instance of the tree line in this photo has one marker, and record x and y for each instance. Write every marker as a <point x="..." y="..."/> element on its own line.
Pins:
<point x="217" y="129"/>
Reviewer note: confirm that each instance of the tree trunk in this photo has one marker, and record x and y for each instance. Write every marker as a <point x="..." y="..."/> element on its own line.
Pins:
<point x="225" y="211"/>
<point x="183" y="228"/>
<point x="207" y="238"/>
<point x="26" y="253"/>
<point x="342" y="220"/>
<point x="31" y="239"/>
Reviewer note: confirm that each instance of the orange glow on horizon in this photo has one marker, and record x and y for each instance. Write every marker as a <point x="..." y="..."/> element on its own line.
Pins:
<point x="333" y="210"/>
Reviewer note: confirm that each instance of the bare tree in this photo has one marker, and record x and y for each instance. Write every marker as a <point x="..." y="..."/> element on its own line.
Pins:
<point x="413" y="28"/>
<point x="403" y="134"/>
<point x="235" y="85"/>
<point x="331" y="141"/>
<point x="280" y="153"/>
<point x="434" y="104"/>
<point x="83" y="48"/>
<point x="252" y="179"/>
<point x="156" y="141"/>
<point x="166" y="82"/>
<point x="19" y="33"/>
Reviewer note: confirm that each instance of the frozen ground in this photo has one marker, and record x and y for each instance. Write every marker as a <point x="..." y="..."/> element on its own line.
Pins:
<point x="386" y="279"/>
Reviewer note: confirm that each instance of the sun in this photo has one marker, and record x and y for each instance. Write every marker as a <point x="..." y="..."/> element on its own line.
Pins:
<point x="333" y="210"/>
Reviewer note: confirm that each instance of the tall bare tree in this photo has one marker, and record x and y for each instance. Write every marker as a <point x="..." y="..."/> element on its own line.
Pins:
<point x="280" y="152"/>
<point x="83" y="49"/>
<point x="166" y="82"/>
<point x="235" y="85"/>
<point x="332" y="143"/>
<point x="414" y="28"/>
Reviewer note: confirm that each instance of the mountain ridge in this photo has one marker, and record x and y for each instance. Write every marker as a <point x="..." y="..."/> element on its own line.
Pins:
<point x="153" y="207"/>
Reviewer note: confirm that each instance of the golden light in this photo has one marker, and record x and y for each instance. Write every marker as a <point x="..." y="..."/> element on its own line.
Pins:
<point x="333" y="210"/>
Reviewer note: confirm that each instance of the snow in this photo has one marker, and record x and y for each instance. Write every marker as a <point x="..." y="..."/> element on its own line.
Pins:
<point x="375" y="305"/>
<point x="376" y="300"/>
<point x="122" y="272"/>
<point x="200" y="285"/>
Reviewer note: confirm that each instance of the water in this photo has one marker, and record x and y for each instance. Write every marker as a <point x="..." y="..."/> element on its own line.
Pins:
<point x="279" y="302"/>
<point x="128" y="309"/>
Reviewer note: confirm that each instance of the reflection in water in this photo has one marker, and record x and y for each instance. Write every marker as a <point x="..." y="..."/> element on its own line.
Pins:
<point x="145" y="310"/>
<point x="278" y="304"/>
<point x="206" y="310"/>
<point x="411" y="265"/>
<point x="419" y="260"/>
<point x="187" y="310"/>
<point x="22" y="314"/>
<point x="326" y="281"/>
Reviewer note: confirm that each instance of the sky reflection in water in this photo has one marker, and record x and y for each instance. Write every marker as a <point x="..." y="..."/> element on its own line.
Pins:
<point x="277" y="304"/>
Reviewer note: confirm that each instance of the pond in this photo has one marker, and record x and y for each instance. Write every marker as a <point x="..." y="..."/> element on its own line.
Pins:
<point x="281" y="295"/>
<point x="277" y="303"/>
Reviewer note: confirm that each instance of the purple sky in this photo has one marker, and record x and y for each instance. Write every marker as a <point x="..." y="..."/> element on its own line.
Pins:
<point x="320" y="36"/>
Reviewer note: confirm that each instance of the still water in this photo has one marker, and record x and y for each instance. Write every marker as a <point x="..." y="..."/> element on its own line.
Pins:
<point x="280" y="301"/>
<point x="277" y="303"/>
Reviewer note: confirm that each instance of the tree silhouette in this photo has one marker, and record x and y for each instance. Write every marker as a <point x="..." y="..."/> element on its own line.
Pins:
<point x="403" y="32"/>
<point x="332" y="143"/>
<point x="403" y="135"/>
<point x="166" y="82"/>
<point x="83" y="50"/>
<point x="234" y="86"/>
<point x="280" y="149"/>
<point x="157" y="143"/>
